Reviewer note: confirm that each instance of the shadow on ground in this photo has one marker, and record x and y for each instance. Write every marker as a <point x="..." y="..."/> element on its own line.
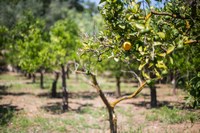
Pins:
<point x="3" y="89"/>
<point x="4" y="92"/>
<point x="56" y="108"/>
<point x="160" y="104"/>
<point x="72" y="95"/>
<point x="7" y="112"/>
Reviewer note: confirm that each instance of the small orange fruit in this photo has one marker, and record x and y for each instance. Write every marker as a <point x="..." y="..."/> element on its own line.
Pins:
<point x="126" y="46"/>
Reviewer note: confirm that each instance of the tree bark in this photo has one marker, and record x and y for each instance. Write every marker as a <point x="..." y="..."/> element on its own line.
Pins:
<point x="33" y="77"/>
<point x="112" y="116"/>
<point x="54" y="85"/>
<point x="112" y="120"/>
<point x="118" y="89"/>
<point x="64" y="89"/>
<point x="42" y="79"/>
<point x="153" y="95"/>
<point x="67" y="72"/>
<point x="29" y="76"/>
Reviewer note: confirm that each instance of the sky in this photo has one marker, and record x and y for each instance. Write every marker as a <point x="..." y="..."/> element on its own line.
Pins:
<point x="96" y="1"/>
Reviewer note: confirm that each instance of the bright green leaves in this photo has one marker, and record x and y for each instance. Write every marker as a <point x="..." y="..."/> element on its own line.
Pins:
<point x="161" y="35"/>
<point x="135" y="7"/>
<point x="170" y="49"/>
<point x="64" y="40"/>
<point x="161" y="64"/>
<point x="139" y="26"/>
<point x="153" y="37"/>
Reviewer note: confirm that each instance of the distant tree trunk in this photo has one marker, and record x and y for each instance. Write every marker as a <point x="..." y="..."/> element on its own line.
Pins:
<point x="29" y="76"/>
<point x="25" y="74"/>
<point x="54" y="85"/>
<point x="33" y="77"/>
<point x="174" y="83"/>
<point x="153" y="95"/>
<point x="64" y="89"/>
<point x="67" y="72"/>
<point x="42" y="79"/>
<point x="118" y="89"/>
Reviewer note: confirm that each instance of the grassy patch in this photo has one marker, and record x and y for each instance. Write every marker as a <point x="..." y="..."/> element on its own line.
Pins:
<point x="19" y="123"/>
<point x="6" y="114"/>
<point x="171" y="116"/>
<point x="94" y="112"/>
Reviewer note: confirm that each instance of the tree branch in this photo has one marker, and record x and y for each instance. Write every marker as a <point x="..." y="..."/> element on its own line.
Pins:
<point x="135" y="75"/>
<point x="97" y="87"/>
<point x="192" y="41"/>
<point x="169" y="14"/>
<point x="101" y="94"/>
<point x="128" y="97"/>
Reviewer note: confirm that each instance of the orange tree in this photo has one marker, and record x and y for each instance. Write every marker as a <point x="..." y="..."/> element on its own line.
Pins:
<point x="139" y="32"/>
<point x="64" y="41"/>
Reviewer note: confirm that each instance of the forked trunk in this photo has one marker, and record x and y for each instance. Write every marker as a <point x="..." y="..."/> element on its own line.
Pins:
<point x="64" y="89"/>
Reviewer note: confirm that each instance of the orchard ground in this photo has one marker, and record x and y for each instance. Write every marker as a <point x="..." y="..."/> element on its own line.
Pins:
<point x="26" y="108"/>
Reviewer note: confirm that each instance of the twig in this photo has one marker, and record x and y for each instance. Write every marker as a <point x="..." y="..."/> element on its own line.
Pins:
<point x="135" y="75"/>
<point x="178" y="16"/>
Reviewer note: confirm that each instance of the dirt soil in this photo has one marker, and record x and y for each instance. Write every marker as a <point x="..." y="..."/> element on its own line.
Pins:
<point x="31" y="101"/>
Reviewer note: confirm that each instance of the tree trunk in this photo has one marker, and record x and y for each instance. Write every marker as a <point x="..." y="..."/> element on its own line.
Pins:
<point x="41" y="79"/>
<point x="54" y="85"/>
<point x="29" y="76"/>
<point x="64" y="89"/>
<point x="174" y="83"/>
<point x="153" y="95"/>
<point x="118" y="89"/>
<point x="33" y="77"/>
<point x="25" y="74"/>
<point x="67" y="72"/>
<point x="112" y="121"/>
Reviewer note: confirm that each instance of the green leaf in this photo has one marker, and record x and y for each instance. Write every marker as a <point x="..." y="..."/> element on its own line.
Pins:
<point x="157" y="43"/>
<point x="161" y="35"/>
<point x="122" y="26"/>
<point x="147" y="24"/>
<point x="162" y="54"/>
<point x="145" y="75"/>
<point x="141" y="66"/>
<point x="157" y="73"/>
<point x="160" y="64"/>
<point x="139" y="26"/>
<point x="136" y="6"/>
<point x="170" y="49"/>
<point x="140" y="48"/>
<point x="171" y="60"/>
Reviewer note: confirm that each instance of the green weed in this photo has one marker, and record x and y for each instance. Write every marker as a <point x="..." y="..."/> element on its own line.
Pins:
<point x="171" y="116"/>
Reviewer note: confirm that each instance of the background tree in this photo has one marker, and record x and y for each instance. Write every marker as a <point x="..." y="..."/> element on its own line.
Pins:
<point x="64" y="42"/>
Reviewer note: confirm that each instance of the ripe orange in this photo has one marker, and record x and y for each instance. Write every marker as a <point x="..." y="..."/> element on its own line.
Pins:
<point x="126" y="46"/>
